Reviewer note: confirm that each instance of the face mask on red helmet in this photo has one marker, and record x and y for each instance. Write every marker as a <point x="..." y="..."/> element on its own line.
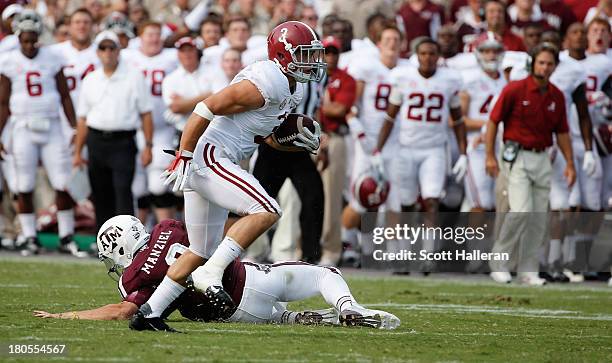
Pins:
<point x="369" y="191"/>
<point x="297" y="51"/>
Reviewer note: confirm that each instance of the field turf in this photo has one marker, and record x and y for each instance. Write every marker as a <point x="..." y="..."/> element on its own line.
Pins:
<point x="444" y="319"/>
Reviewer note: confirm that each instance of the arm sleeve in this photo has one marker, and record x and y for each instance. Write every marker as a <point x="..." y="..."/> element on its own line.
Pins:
<point x="197" y="15"/>
<point x="502" y="107"/>
<point x="562" y="126"/>
<point x="143" y="96"/>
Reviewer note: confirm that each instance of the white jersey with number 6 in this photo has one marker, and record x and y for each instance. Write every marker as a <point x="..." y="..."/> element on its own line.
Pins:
<point x="426" y="104"/>
<point x="77" y="64"/>
<point x="33" y="87"/>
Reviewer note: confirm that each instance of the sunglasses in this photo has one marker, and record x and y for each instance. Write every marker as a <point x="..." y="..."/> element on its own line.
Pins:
<point x="104" y="48"/>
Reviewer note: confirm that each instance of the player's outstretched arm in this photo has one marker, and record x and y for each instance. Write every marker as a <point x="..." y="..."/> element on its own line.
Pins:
<point x="387" y="126"/>
<point x="121" y="311"/>
<point x="235" y="98"/>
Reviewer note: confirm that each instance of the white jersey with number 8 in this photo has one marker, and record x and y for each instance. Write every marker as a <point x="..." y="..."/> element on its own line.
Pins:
<point x="425" y="105"/>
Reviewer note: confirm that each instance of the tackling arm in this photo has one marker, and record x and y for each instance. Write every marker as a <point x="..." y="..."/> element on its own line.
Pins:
<point x="121" y="311"/>
<point x="62" y="88"/>
<point x="236" y="98"/>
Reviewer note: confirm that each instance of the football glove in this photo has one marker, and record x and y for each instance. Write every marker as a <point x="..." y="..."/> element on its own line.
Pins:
<point x="589" y="165"/>
<point x="179" y="169"/>
<point x="308" y="140"/>
<point x="460" y="168"/>
<point x="378" y="165"/>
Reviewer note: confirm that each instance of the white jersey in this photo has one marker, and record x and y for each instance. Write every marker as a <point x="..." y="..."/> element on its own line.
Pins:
<point x="77" y="64"/>
<point x="375" y="98"/>
<point x="155" y="69"/>
<point x="426" y="104"/>
<point x="33" y="86"/>
<point x="235" y="134"/>
<point x="598" y="68"/>
<point x="483" y="91"/>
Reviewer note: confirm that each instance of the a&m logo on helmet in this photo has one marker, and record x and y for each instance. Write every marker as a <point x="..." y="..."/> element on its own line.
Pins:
<point x="109" y="237"/>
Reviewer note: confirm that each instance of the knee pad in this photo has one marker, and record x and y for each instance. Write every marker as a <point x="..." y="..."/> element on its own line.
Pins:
<point x="166" y="200"/>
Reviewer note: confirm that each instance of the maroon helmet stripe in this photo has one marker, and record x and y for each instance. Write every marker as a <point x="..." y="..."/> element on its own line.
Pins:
<point x="252" y="188"/>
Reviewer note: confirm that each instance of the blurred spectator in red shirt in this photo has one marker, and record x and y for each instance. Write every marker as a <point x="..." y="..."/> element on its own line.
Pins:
<point x="495" y="16"/>
<point x="581" y="7"/>
<point x="523" y="13"/>
<point x="420" y="18"/>
<point x="557" y="14"/>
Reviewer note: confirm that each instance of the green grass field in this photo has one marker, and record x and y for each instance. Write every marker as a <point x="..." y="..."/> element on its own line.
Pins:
<point x="443" y="319"/>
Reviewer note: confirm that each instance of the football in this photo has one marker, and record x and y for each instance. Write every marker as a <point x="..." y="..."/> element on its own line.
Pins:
<point x="286" y="133"/>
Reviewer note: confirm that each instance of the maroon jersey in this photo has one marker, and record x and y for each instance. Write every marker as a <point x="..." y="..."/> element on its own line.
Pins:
<point x="168" y="241"/>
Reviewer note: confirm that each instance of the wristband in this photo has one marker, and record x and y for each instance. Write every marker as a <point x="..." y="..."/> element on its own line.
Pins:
<point x="389" y="118"/>
<point x="203" y="111"/>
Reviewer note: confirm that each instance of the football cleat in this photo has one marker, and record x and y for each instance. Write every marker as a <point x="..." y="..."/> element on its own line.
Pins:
<point x="360" y="316"/>
<point x="30" y="247"/>
<point x="140" y="322"/>
<point x="220" y="301"/>
<point x="69" y="246"/>
<point x="318" y="317"/>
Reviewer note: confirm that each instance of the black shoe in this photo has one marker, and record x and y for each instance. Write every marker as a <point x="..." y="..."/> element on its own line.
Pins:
<point x="220" y="301"/>
<point x="560" y="277"/>
<point x="140" y="322"/>
<point x="70" y="247"/>
<point x="546" y="276"/>
<point x="30" y="247"/>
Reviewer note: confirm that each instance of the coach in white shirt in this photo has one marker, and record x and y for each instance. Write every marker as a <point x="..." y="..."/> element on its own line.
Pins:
<point x="113" y="103"/>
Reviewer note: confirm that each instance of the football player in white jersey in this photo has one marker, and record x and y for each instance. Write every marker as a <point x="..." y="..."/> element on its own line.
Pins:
<point x="480" y="90"/>
<point x="424" y="97"/>
<point x="206" y="165"/>
<point x="78" y="53"/>
<point x="156" y="62"/>
<point x="599" y="89"/>
<point x="32" y="87"/>
<point x="373" y="77"/>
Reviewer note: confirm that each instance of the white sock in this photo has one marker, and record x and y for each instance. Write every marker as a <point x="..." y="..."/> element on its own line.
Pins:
<point x="65" y="222"/>
<point x="227" y="252"/>
<point x="163" y="296"/>
<point x="554" y="251"/>
<point x="28" y="224"/>
<point x="334" y="290"/>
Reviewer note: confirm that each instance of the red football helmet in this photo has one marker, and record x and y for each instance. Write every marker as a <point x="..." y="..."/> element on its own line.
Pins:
<point x="489" y="41"/>
<point x="369" y="191"/>
<point x="297" y="51"/>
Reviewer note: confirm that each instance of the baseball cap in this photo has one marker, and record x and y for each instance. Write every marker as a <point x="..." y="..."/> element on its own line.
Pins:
<point x="186" y="41"/>
<point x="11" y="10"/>
<point x="107" y="35"/>
<point x="331" y="42"/>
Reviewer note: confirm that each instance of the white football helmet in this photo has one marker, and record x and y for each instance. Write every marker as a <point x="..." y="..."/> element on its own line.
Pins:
<point x="492" y="41"/>
<point x="118" y="240"/>
<point x="27" y="21"/>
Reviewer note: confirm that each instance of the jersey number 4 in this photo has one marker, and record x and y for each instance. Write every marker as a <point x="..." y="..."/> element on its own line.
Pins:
<point x="425" y="106"/>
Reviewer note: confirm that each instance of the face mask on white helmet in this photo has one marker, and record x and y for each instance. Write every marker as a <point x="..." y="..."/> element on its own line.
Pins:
<point x="118" y="240"/>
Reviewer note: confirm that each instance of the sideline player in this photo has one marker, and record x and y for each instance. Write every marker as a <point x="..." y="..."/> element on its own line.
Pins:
<point x="32" y="87"/>
<point x="207" y="164"/>
<point x="373" y="88"/>
<point x="480" y="89"/>
<point x="425" y="97"/>
<point x="138" y="261"/>
<point x="156" y="62"/>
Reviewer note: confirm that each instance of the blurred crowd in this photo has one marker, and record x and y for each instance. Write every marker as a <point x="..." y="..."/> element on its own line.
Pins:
<point x="212" y="40"/>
